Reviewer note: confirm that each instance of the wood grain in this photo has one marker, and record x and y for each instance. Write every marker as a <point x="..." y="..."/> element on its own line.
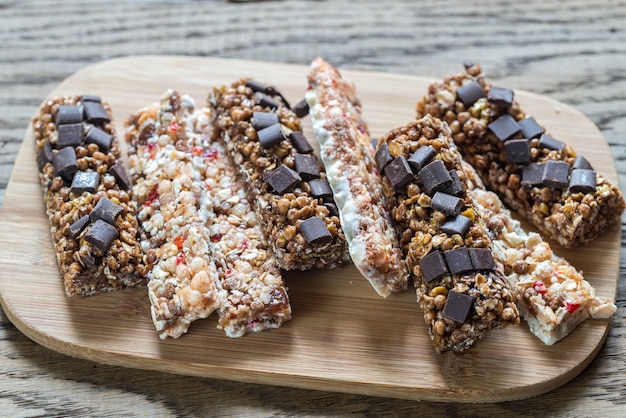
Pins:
<point x="343" y="336"/>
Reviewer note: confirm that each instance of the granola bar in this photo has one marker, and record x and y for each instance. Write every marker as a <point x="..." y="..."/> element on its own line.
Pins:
<point x="534" y="173"/>
<point x="347" y="153"/>
<point x="552" y="296"/>
<point x="86" y="191"/>
<point x="461" y="290"/>
<point x="284" y="180"/>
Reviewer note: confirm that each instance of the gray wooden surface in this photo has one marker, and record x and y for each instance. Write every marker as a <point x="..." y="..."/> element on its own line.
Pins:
<point x="572" y="51"/>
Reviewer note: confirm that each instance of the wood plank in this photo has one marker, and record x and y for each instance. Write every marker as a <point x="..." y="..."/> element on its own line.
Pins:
<point x="343" y="336"/>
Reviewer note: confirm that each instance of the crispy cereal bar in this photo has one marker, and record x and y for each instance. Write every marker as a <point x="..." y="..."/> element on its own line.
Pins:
<point x="347" y="153"/>
<point x="461" y="290"/>
<point x="199" y="231"/>
<point x="552" y="296"/>
<point x="534" y="173"/>
<point x="284" y="179"/>
<point x="86" y="191"/>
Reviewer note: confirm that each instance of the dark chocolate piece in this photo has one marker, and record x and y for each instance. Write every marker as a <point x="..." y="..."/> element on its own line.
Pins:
<point x="398" y="172"/>
<point x="119" y="172"/>
<point x="469" y="92"/>
<point x="264" y="100"/>
<point x="85" y="181"/>
<point x="101" y="235"/>
<point x="435" y="177"/>
<point x="421" y="157"/>
<point x="581" y="162"/>
<point x="332" y="208"/>
<point x="65" y="164"/>
<point x="87" y="260"/>
<point x="448" y="204"/>
<point x="301" y="109"/>
<point x="44" y="155"/>
<point x="283" y="179"/>
<point x="582" y="181"/>
<point x="300" y="143"/>
<point x="77" y="227"/>
<point x="505" y="127"/>
<point x="530" y="128"/>
<point x="257" y="86"/>
<point x="433" y="266"/>
<point x="320" y="189"/>
<point x="482" y="259"/>
<point x="68" y="115"/>
<point x="90" y="98"/>
<point x="105" y="210"/>
<point x="517" y="151"/>
<point x="532" y="175"/>
<point x="99" y="137"/>
<point x="315" y="232"/>
<point x="555" y="174"/>
<point x="551" y="143"/>
<point x="70" y="135"/>
<point x="96" y="113"/>
<point x="458" y="306"/>
<point x="458" y="225"/>
<point x="262" y="120"/>
<point x="456" y="188"/>
<point x="500" y="97"/>
<point x="270" y="136"/>
<point x="383" y="157"/>
<point x="458" y="260"/>
<point x="306" y="166"/>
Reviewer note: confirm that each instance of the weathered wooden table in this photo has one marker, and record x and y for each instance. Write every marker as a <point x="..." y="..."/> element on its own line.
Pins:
<point x="574" y="52"/>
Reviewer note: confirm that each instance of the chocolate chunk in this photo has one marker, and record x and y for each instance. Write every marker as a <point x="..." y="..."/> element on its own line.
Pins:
<point x="320" y="189"/>
<point x="283" y="179"/>
<point x="448" y="204"/>
<point x="105" y="210"/>
<point x="119" y="172"/>
<point x="70" y="135"/>
<point x="532" y="175"/>
<point x="555" y="174"/>
<point x="458" y="260"/>
<point x="456" y="188"/>
<point x="85" y="181"/>
<point x="266" y="101"/>
<point x="517" y="151"/>
<point x="306" y="166"/>
<point x="469" y="92"/>
<point x="421" y="157"/>
<point x="581" y="162"/>
<point x="90" y="98"/>
<point x="500" y="97"/>
<point x="458" y="306"/>
<point x="44" y="155"/>
<point x="65" y="164"/>
<point x="482" y="259"/>
<point x="435" y="177"/>
<point x="551" y="143"/>
<point x="87" y="260"/>
<point x="315" y="232"/>
<point x="300" y="143"/>
<point x="262" y="120"/>
<point x="77" y="227"/>
<point x="301" y="109"/>
<point x="101" y="235"/>
<point x="458" y="225"/>
<point x="530" y="128"/>
<point x="68" y="115"/>
<point x="96" y="113"/>
<point x="505" y="127"/>
<point x="332" y="209"/>
<point x="433" y="266"/>
<point x="383" y="157"/>
<point x="582" y="181"/>
<point x="257" y="86"/>
<point x="270" y="136"/>
<point x="99" y="137"/>
<point x="398" y="172"/>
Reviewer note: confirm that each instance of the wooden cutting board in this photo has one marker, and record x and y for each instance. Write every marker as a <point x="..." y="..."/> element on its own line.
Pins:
<point x="343" y="337"/>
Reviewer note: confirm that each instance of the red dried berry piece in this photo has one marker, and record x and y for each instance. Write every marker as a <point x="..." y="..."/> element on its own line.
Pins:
<point x="540" y="287"/>
<point x="197" y="151"/>
<point x="216" y="238"/>
<point x="152" y="196"/>
<point x="180" y="259"/>
<point x="571" y="307"/>
<point x="210" y="154"/>
<point x="179" y="241"/>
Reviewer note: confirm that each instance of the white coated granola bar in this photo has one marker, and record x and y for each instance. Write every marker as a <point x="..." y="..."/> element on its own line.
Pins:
<point x="552" y="296"/>
<point x="348" y="155"/>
